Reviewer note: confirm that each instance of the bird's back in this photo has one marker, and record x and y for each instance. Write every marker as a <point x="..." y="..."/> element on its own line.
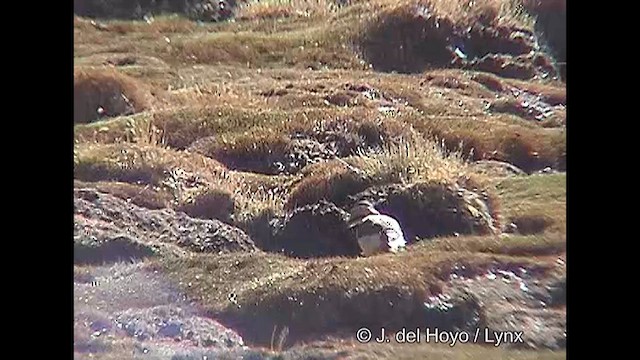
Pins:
<point x="378" y="232"/>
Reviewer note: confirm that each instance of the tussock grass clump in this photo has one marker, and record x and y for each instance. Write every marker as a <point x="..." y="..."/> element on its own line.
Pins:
<point x="316" y="297"/>
<point x="536" y="203"/>
<point x="427" y="210"/>
<point x="531" y="224"/>
<point x="256" y="150"/>
<point x="179" y="128"/>
<point x="210" y="204"/>
<point x="243" y="48"/>
<point x="184" y="127"/>
<point x="106" y="93"/>
<point x="337" y="179"/>
<point x="315" y="47"/>
<point x="139" y="163"/>
<point x="332" y="181"/>
<point x="524" y="145"/>
<point x="198" y="185"/>
<point x="358" y="132"/>
<point x="137" y="129"/>
<point x="458" y="82"/>
<point x="291" y="144"/>
<point x="254" y="211"/>
<point x="490" y="81"/>
<point x="212" y="130"/>
<point x="415" y="35"/>
<point x="514" y="245"/>
<point x="430" y="193"/>
<point x="422" y="160"/>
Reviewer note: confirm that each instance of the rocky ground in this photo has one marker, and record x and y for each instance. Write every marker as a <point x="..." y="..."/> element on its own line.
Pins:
<point x="219" y="147"/>
<point x="133" y="306"/>
<point x="125" y="302"/>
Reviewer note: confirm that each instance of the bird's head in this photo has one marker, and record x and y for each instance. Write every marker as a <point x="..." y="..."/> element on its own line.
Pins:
<point x="362" y="209"/>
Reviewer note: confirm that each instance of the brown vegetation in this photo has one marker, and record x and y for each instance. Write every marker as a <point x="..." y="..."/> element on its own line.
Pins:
<point x="101" y="93"/>
<point x="487" y="35"/>
<point x="210" y="204"/>
<point x="276" y="123"/>
<point x="138" y="163"/>
<point x="330" y="295"/>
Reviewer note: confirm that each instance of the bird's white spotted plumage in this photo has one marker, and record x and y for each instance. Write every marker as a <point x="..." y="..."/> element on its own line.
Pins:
<point x="375" y="232"/>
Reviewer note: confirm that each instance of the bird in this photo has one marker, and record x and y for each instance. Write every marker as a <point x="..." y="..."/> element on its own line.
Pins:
<point x="375" y="232"/>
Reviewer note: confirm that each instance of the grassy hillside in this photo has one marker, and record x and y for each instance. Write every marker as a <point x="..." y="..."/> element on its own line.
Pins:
<point x="292" y="103"/>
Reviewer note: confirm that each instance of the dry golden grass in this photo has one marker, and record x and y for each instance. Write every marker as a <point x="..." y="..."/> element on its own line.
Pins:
<point x="251" y="151"/>
<point x="412" y="162"/>
<point x="552" y="92"/>
<point x="537" y="202"/>
<point x="421" y="161"/>
<point x="139" y="163"/>
<point x="300" y="48"/>
<point x="175" y="39"/>
<point x="240" y="90"/>
<point x="138" y="129"/>
<point x="509" y="13"/>
<point x="310" y="296"/>
<point x="332" y="181"/>
<point x="503" y="137"/>
<point x="499" y="137"/>
<point x="122" y="60"/>
<point x="257" y="148"/>
<point x="514" y="245"/>
<point x="210" y="204"/>
<point x="115" y="93"/>
<point x="177" y="127"/>
<point x="323" y="37"/>
<point x="270" y="9"/>
<point x="413" y="35"/>
<point x="228" y="106"/>
<point x="199" y="186"/>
